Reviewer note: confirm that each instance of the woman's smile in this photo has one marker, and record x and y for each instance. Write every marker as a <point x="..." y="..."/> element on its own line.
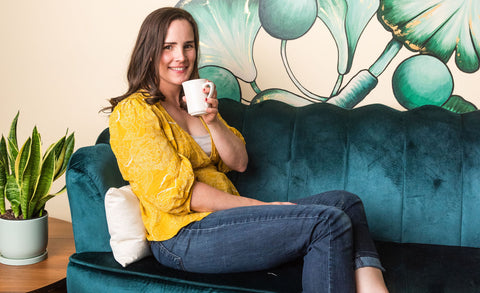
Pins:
<point x="178" y="55"/>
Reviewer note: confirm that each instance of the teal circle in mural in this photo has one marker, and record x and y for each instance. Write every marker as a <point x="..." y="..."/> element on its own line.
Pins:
<point x="226" y="83"/>
<point x="287" y="20"/>
<point x="422" y="80"/>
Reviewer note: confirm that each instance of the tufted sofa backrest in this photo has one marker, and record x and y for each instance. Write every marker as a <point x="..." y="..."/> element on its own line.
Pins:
<point x="417" y="172"/>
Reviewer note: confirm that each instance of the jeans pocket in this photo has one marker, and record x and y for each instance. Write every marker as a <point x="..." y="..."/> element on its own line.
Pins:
<point x="165" y="256"/>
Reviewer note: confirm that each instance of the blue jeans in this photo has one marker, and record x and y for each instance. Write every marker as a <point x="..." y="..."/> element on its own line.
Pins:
<point x="329" y="231"/>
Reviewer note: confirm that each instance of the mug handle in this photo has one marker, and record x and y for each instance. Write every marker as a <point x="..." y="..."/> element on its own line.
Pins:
<point x="212" y="88"/>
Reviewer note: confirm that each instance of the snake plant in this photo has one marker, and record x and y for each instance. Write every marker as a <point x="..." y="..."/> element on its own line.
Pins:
<point x="26" y="176"/>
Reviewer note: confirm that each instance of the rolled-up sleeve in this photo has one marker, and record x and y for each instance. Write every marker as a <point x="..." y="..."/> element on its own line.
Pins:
<point x="158" y="174"/>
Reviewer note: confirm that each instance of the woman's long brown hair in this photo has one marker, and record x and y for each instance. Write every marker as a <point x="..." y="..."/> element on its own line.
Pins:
<point x="143" y="68"/>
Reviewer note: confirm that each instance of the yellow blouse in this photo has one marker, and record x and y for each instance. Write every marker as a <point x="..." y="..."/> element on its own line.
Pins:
<point x="161" y="161"/>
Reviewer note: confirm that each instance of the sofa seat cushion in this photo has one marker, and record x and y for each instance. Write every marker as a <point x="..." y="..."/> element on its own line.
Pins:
<point x="286" y="278"/>
<point x="409" y="268"/>
<point x="425" y="268"/>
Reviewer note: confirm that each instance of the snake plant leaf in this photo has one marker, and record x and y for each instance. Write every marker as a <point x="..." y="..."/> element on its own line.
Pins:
<point x="26" y="180"/>
<point x="3" y="173"/>
<point x="69" y="146"/>
<point x="31" y="174"/>
<point x="22" y="160"/>
<point x="3" y="153"/>
<point x="35" y="161"/>
<point x="12" y="143"/>
<point x="227" y="32"/>
<point x="49" y="149"/>
<point x="23" y="174"/>
<point x="3" y="183"/>
<point x="44" y="181"/>
<point x="40" y="205"/>
<point x="59" y="150"/>
<point x="12" y="135"/>
<point x="12" y="191"/>
<point x="436" y="27"/>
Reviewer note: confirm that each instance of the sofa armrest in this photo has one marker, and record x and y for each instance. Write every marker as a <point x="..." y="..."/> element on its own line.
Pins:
<point x="90" y="173"/>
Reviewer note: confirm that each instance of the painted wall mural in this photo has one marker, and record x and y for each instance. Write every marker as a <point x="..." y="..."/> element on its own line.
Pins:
<point x="433" y="31"/>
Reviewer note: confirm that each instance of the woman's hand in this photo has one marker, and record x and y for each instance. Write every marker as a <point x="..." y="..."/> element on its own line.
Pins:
<point x="212" y="109"/>
<point x="230" y="148"/>
<point x="280" y="203"/>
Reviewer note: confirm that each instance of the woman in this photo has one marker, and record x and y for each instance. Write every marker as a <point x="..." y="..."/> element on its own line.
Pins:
<point x="194" y="217"/>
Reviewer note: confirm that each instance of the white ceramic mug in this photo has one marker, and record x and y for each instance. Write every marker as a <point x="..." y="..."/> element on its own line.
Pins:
<point x="195" y="96"/>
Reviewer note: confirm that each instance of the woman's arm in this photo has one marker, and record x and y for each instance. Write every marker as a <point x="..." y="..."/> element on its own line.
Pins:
<point x="158" y="174"/>
<point x="209" y="199"/>
<point x="231" y="148"/>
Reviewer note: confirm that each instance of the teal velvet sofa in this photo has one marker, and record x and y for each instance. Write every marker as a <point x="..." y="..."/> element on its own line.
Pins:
<point x="417" y="172"/>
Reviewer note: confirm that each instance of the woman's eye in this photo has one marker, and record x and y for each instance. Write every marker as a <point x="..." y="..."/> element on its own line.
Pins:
<point x="168" y="47"/>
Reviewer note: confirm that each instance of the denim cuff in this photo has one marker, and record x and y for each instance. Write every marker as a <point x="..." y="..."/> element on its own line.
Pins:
<point x="368" y="261"/>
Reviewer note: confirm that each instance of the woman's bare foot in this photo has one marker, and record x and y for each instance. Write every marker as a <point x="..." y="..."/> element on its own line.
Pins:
<point x="370" y="280"/>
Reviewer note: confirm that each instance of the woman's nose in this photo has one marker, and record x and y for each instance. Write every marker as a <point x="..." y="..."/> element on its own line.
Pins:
<point x="179" y="55"/>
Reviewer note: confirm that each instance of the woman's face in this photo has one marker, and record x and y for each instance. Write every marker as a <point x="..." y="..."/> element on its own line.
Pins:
<point x="178" y="55"/>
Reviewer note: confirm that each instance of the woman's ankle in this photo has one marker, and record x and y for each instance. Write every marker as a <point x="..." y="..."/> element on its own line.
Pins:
<point x="370" y="280"/>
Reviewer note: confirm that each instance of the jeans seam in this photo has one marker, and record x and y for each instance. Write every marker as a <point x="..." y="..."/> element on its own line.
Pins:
<point x="172" y="256"/>
<point x="330" y="257"/>
<point x="188" y="228"/>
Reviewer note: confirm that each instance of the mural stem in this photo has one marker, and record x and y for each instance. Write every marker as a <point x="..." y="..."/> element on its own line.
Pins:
<point x="355" y="90"/>
<point x="338" y="84"/>
<point x="391" y="50"/>
<point x="283" y="51"/>
<point x="255" y="87"/>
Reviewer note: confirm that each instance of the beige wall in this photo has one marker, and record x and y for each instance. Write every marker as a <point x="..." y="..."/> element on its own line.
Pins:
<point x="59" y="62"/>
<point x="61" y="59"/>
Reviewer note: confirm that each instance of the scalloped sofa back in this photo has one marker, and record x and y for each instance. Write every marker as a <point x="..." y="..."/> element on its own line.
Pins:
<point x="417" y="172"/>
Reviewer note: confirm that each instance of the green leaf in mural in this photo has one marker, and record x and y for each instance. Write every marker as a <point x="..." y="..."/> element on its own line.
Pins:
<point x="436" y="27"/>
<point x="458" y="104"/>
<point x="346" y="20"/>
<point x="281" y="95"/>
<point x="227" y="32"/>
<point x="225" y="82"/>
<point x="359" y="14"/>
<point x="287" y="20"/>
<point x="333" y="13"/>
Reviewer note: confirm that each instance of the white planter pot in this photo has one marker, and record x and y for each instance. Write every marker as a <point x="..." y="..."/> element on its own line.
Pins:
<point x="23" y="242"/>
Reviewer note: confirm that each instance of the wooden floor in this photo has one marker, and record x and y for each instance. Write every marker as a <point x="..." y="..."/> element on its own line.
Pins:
<point x="46" y="275"/>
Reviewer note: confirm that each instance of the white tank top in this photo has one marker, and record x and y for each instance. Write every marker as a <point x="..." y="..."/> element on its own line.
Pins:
<point x="204" y="142"/>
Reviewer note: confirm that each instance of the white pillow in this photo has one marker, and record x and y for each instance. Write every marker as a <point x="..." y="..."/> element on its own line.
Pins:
<point x="127" y="232"/>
